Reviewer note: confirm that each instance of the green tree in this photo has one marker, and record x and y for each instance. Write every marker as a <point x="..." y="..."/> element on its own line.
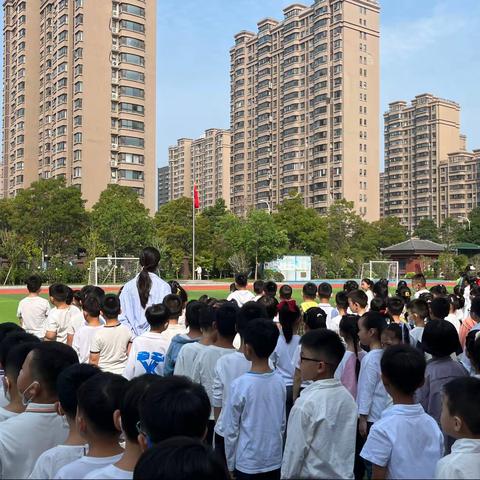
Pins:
<point x="51" y="214"/>
<point x="427" y="230"/>
<point x="449" y="232"/>
<point x="388" y="231"/>
<point x="6" y="206"/>
<point x="121" y="222"/>
<point x="471" y="231"/>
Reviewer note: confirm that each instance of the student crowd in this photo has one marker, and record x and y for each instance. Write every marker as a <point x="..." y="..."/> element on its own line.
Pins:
<point x="253" y="386"/>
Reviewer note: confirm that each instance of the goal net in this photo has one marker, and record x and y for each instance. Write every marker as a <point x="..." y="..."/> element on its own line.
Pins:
<point x="376" y="270"/>
<point x="113" y="270"/>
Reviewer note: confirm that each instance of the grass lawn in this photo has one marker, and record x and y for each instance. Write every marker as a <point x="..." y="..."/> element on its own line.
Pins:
<point x="9" y="303"/>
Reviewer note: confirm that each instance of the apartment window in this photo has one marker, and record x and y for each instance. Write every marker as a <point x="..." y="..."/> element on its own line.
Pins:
<point x="22" y="32"/>
<point x="133" y="26"/>
<point x="132" y="125"/>
<point x="78" y="120"/>
<point x="78" y="53"/>
<point x="132" y="42"/>
<point x="133" y="59"/>
<point x="78" y="3"/>
<point x="61" y="146"/>
<point x="62" y="68"/>
<point x="132" y="158"/>
<point x="78" y="87"/>
<point x="61" y="99"/>
<point x="77" y="137"/>
<point x="77" y="172"/>
<point x="62" y="130"/>
<point x="139" y="191"/>
<point x="78" y="69"/>
<point x="132" y="75"/>
<point x="132" y="92"/>
<point x="62" y="52"/>
<point x="132" y="108"/>
<point x="131" y="174"/>
<point x="62" y="20"/>
<point x="61" y="83"/>
<point x="77" y="155"/>
<point x="132" y="9"/>
<point x="62" y="36"/>
<point x="79" y="19"/>
<point x="131" y="141"/>
<point x="77" y="104"/>
<point x="62" y="4"/>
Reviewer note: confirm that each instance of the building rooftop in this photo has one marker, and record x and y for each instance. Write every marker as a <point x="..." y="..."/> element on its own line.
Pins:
<point x="415" y="245"/>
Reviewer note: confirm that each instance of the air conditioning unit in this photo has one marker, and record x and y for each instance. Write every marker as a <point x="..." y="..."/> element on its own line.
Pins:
<point x="114" y="145"/>
<point x="114" y="163"/>
<point x="115" y="62"/>
<point x="114" y="96"/>
<point x="114" y="29"/>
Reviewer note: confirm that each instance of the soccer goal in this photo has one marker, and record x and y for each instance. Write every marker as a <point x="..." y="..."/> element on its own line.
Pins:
<point x="380" y="269"/>
<point x="113" y="270"/>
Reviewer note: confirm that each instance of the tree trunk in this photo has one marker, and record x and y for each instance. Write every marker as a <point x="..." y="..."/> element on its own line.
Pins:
<point x="256" y="265"/>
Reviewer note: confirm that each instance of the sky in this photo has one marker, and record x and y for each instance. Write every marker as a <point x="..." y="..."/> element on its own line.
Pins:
<point x="426" y="46"/>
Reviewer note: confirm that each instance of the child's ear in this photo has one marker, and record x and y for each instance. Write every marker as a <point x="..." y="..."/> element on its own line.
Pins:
<point x="80" y="423"/>
<point x="117" y="420"/>
<point x="142" y="441"/>
<point x="457" y="424"/>
<point x="59" y="409"/>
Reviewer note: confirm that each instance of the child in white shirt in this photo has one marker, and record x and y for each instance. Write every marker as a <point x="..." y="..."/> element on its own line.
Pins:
<point x="98" y="398"/>
<point x="417" y="314"/>
<point x="111" y="344"/>
<point x="82" y="339"/>
<point x="241" y="295"/>
<point x="126" y="420"/>
<point x="60" y="317"/>
<point x="74" y="447"/>
<point x="25" y="437"/>
<point x="323" y="422"/>
<point x="204" y="368"/>
<point x="174" y="305"/>
<point x="324" y="292"/>
<point x="406" y="442"/>
<point x="13" y="352"/>
<point x="255" y="410"/>
<point x="461" y="419"/>
<point x="148" y="350"/>
<point x="33" y="310"/>
<point x="341" y="303"/>
<point x="372" y="398"/>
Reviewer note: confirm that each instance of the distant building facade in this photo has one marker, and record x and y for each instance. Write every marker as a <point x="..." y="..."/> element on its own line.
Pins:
<point x="163" y="184"/>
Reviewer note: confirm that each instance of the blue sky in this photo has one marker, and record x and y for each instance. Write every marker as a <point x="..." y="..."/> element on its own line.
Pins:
<point x="427" y="46"/>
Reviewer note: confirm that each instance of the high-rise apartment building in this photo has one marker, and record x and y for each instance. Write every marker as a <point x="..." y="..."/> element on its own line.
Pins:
<point x="204" y="162"/>
<point x="79" y="95"/>
<point x="163" y="186"/>
<point x="305" y="108"/>
<point x="418" y="138"/>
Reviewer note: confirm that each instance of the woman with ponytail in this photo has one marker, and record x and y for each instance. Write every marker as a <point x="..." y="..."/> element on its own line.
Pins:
<point x="146" y="289"/>
<point x="349" y="368"/>
<point x="289" y="317"/>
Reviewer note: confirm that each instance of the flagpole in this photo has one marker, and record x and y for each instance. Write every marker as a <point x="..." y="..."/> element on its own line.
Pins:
<point x="193" y="235"/>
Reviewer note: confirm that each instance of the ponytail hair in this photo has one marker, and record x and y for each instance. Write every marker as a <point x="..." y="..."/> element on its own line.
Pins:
<point x="149" y="259"/>
<point x="177" y="289"/>
<point x="349" y="329"/>
<point x="288" y="314"/>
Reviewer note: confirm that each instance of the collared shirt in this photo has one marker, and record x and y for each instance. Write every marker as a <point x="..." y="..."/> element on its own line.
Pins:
<point x="51" y="461"/>
<point x="83" y="466"/>
<point x="241" y="297"/>
<point x="6" y="414"/>
<point x="321" y="433"/>
<point x="187" y="357"/>
<point x="463" y="462"/>
<point x="255" y="423"/>
<point x="405" y="440"/>
<point x="283" y="355"/>
<point x="111" y="472"/>
<point x="33" y="313"/>
<point x="227" y="369"/>
<point x="372" y="398"/>
<point x="133" y="314"/>
<point x="25" y="437"/>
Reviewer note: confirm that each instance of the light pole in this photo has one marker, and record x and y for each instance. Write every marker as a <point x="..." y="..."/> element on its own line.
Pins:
<point x="266" y="203"/>
<point x="468" y="221"/>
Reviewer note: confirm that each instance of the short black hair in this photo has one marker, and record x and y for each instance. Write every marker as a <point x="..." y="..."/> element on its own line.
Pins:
<point x="174" y="304"/>
<point x="404" y="367"/>
<point x="419" y="278"/>
<point x="440" y="338"/>
<point x="248" y="312"/>
<point x="181" y="458"/>
<point x="380" y="289"/>
<point x="324" y="290"/>
<point x="130" y="404"/>
<point x="440" y="308"/>
<point x="472" y="347"/>
<point x="69" y="299"/>
<point x="241" y="279"/>
<point x="174" y="406"/>
<point x="475" y="306"/>
<point x="49" y="359"/>
<point x="157" y="315"/>
<point x="12" y="339"/>
<point x="258" y="286"/>
<point x="16" y="358"/>
<point x="207" y="317"/>
<point x="427" y="296"/>
<point x="286" y="292"/>
<point x="359" y="297"/>
<point x="177" y="289"/>
<point x="270" y="288"/>
<point x="324" y="343"/>
<point x="111" y="306"/>
<point x="341" y="299"/>
<point x="8" y="327"/>
<point x="91" y="305"/>
<point x="374" y="320"/>
<point x="92" y="290"/>
<point x="378" y="304"/>
<point x="68" y="383"/>
<point x="98" y="397"/>
<point x="463" y="399"/>
<point x="309" y="290"/>
<point x="419" y="307"/>
<point x="193" y="312"/>
<point x="270" y="304"/>
<point x="439" y="290"/>
<point x="396" y="329"/>
<point x="262" y="336"/>
<point x="315" y="317"/>
<point x="350" y="285"/>
<point x="395" y="305"/>
<point x="34" y="283"/>
<point x="225" y="319"/>
<point x="456" y="301"/>
<point x="59" y="292"/>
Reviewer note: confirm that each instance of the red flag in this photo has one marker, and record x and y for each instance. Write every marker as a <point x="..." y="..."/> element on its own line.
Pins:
<point x="196" y="199"/>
